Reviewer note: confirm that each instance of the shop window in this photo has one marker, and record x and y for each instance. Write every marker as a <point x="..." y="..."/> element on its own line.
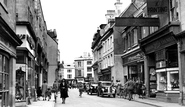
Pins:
<point x="174" y="80"/>
<point x="162" y="81"/>
<point x="168" y="80"/>
<point x="4" y="81"/>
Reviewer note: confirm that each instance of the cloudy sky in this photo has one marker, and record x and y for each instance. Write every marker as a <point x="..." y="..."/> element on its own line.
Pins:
<point x="76" y="21"/>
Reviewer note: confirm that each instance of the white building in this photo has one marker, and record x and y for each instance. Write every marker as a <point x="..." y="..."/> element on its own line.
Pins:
<point x="67" y="71"/>
<point x="83" y="67"/>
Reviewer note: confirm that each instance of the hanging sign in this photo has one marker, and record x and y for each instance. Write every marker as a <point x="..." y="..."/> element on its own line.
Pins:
<point x="157" y="7"/>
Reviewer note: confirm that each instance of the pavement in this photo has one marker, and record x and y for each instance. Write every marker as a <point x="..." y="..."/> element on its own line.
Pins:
<point x="41" y="103"/>
<point x="147" y="101"/>
<point x="154" y="102"/>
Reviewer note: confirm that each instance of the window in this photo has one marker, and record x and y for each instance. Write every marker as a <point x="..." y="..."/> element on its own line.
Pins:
<point x="79" y="64"/>
<point x="20" y="59"/>
<point x="89" y="75"/>
<point x="89" y="69"/>
<point x="173" y="10"/>
<point x="128" y="40"/>
<point x="144" y="31"/>
<point x="89" y="62"/>
<point x="69" y="76"/>
<point x="135" y="36"/>
<point x="69" y="71"/>
<point x="79" y="73"/>
<point x="4" y="81"/>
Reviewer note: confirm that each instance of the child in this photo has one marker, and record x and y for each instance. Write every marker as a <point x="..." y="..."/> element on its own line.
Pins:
<point x="48" y="93"/>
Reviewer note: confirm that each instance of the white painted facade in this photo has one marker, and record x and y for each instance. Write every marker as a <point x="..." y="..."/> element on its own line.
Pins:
<point x="85" y="67"/>
<point x="68" y="71"/>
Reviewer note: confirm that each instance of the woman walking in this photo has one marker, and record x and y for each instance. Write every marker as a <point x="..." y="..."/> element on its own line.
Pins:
<point x="63" y="90"/>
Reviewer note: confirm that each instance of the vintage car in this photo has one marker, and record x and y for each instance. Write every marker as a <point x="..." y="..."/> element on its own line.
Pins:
<point x="92" y="88"/>
<point x="106" y="88"/>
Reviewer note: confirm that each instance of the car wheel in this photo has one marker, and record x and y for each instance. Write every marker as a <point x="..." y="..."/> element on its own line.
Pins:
<point x="91" y="92"/>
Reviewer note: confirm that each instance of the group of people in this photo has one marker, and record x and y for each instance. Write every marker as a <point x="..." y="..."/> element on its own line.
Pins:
<point x="131" y="87"/>
<point x="45" y="91"/>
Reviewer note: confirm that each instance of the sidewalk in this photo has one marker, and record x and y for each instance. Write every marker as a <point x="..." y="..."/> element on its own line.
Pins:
<point x="156" y="103"/>
<point x="42" y="103"/>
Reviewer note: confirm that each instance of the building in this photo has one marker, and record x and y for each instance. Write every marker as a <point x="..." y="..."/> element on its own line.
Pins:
<point x="8" y="44"/>
<point x="69" y="72"/>
<point x="32" y="63"/>
<point x="52" y="55"/>
<point x="106" y="47"/>
<point x="159" y="47"/>
<point x="132" y="56"/>
<point x="83" y="70"/>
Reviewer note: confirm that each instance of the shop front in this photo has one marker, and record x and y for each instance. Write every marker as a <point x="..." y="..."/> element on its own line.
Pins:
<point x="8" y="43"/>
<point x="135" y="65"/>
<point x="161" y="63"/>
<point x="106" y="74"/>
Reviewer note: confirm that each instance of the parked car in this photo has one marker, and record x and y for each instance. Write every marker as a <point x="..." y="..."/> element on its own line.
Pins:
<point x="92" y="88"/>
<point x="106" y="88"/>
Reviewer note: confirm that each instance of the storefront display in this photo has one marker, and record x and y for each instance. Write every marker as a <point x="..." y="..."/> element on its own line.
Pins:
<point x="168" y="79"/>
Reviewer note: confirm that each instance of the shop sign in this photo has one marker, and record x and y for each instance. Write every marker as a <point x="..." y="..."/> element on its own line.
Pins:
<point x="135" y="57"/>
<point x="157" y="7"/>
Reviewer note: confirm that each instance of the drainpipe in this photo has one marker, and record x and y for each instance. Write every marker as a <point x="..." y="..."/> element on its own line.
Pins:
<point x="180" y="73"/>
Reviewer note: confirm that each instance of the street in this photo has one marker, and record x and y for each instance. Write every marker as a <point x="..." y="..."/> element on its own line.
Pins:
<point x="74" y="100"/>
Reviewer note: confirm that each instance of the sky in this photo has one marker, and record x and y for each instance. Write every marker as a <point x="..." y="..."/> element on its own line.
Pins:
<point x="76" y="22"/>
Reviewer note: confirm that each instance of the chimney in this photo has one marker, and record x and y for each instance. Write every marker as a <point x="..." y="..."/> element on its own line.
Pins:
<point x="118" y="6"/>
<point x="110" y="16"/>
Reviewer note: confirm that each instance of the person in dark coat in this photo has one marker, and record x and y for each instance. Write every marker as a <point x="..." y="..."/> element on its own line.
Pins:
<point x="39" y="93"/>
<point x="63" y="90"/>
<point x="130" y="87"/>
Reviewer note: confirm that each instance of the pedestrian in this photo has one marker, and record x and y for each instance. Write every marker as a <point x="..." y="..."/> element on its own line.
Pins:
<point x="130" y="88"/>
<point x="44" y="89"/>
<point x="39" y="93"/>
<point x="81" y="88"/>
<point x="55" y="89"/>
<point x="118" y="86"/>
<point x="63" y="90"/>
<point x="48" y="94"/>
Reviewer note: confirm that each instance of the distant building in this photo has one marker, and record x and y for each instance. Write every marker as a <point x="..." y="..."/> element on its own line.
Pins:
<point x="83" y="70"/>
<point x="67" y="71"/>
<point x="52" y="55"/>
